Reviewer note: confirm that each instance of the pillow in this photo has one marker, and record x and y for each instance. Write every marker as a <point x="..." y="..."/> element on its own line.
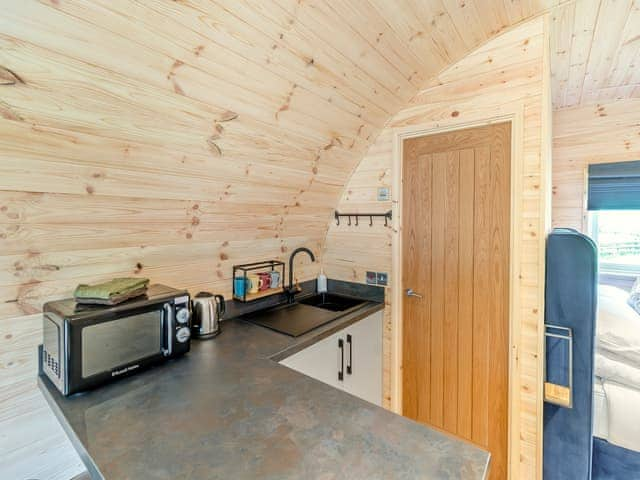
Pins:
<point x="618" y="326"/>
<point x="634" y="298"/>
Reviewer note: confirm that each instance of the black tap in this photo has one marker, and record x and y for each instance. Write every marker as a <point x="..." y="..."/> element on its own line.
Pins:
<point x="292" y="290"/>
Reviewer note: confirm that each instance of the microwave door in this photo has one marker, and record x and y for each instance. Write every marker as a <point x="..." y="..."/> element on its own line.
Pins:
<point x="111" y="347"/>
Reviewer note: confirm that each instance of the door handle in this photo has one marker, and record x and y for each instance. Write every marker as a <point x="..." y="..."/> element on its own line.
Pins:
<point x="411" y="293"/>
<point x="350" y="357"/>
<point x="341" y="359"/>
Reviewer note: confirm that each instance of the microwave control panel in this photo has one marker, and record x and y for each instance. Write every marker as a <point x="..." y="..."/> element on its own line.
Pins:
<point x="182" y="332"/>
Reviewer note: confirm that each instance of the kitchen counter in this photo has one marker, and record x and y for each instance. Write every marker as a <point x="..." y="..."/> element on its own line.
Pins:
<point x="229" y="410"/>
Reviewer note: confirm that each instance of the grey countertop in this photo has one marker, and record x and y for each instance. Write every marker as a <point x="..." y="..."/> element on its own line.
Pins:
<point x="229" y="410"/>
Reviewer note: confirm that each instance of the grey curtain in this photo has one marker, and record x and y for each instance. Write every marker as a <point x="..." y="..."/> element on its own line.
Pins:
<point x="614" y="186"/>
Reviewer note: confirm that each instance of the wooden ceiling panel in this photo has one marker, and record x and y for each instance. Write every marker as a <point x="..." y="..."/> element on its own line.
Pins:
<point x="595" y="51"/>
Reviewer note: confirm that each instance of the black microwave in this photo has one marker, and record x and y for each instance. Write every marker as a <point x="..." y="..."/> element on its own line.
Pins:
<point x="85" y="346"/>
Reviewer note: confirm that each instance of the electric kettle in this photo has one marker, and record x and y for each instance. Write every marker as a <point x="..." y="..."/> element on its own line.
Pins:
<point x="208" y="310"/>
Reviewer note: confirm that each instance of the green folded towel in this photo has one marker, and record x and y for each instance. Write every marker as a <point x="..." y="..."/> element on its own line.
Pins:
<point x="112" y="292"/>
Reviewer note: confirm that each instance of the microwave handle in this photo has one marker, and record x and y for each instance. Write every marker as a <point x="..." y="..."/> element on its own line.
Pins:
<point x="167" y="324"/>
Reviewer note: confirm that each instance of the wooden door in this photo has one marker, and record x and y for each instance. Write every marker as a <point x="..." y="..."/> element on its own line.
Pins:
<point x="455" y="240"/>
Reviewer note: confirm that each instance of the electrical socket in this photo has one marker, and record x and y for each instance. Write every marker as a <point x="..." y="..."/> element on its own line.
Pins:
<point x="372" y="278"/>
<point x="383" y="194"/>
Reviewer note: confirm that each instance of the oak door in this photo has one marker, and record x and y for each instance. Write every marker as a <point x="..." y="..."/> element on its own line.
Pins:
<point x="455" y="258"/>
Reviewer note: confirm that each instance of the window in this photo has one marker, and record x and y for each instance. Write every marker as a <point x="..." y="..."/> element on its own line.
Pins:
<point x="617" y="233"/>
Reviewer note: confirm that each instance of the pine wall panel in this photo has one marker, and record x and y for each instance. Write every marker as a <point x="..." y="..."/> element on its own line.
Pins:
<point x="140" y="130"/>
<point x="174" y="139"/>
<point x="600" y="133"/>
<point x="508" y="73"/>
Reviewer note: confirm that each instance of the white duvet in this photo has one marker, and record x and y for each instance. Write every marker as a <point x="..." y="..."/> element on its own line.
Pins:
<point x="618" y="327"/>
<point x="617" y="363"/>
<point x="615" y="371"/>
<point x="624" y="415"/>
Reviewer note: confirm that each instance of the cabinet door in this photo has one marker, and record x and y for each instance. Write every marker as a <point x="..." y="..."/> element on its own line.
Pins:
<point x="363" y="353"/>
<point x="322" y="361"/>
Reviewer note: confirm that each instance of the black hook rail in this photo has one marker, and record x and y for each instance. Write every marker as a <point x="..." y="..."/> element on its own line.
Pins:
<point x="386" y="216"/>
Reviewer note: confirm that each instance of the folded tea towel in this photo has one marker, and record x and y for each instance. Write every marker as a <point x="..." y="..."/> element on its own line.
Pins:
<point x="112" y="292"/>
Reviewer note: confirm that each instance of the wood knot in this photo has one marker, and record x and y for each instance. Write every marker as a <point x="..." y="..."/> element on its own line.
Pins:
<point x="455" y="113"/>
<point x="90" y="190"/>
<point x="224" y="256"/>
<point x="7" y="112"/>
<point x="213" y="146"/>
<point x="177" y="88"/>
<point x="9" y="77"/>
<point x="227" y="116"/>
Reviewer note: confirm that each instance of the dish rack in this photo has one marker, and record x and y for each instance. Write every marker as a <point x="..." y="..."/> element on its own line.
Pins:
<point x="248" y="269"/>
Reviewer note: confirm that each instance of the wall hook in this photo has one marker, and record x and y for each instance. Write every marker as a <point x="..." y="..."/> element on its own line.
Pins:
<point x="387" y="216"/>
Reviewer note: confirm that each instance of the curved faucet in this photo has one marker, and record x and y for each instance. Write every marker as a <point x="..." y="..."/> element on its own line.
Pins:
<point x="291" y="291"/>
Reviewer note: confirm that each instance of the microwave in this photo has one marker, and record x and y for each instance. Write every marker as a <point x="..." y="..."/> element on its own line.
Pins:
<point x="85" y="346"/>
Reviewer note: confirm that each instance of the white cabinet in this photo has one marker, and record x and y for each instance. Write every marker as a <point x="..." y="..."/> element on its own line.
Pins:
<point x="320" y="361"/>
<point x="363" y="353"/>
<point x="350" y="359"/>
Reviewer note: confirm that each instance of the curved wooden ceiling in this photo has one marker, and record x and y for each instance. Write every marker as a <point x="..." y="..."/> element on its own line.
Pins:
<point x="595" y="47"/>
<point x="145" y="136"/>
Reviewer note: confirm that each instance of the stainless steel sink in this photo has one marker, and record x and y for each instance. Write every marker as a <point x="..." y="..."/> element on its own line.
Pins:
<point x="332" y="302"/>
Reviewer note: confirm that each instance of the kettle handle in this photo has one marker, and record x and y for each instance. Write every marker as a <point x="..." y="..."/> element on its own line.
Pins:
<point x="194" y="316"/>
<point x="221" y="305"/>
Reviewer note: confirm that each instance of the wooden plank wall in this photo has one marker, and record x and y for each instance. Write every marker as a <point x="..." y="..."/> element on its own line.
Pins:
<point x="32" y="443"/>
<point x="506" y="74"/>
<point x="174" y="139"/>
<point x="170" y="140"/>
<point x="600" y="133"/>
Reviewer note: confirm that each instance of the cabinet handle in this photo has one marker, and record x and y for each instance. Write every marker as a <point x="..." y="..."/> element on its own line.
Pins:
<point x="350" y="358"/>
<point x="341" y="359"/>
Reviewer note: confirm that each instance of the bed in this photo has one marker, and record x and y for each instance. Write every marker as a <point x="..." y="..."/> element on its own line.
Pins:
<point x="616" y="391"/>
